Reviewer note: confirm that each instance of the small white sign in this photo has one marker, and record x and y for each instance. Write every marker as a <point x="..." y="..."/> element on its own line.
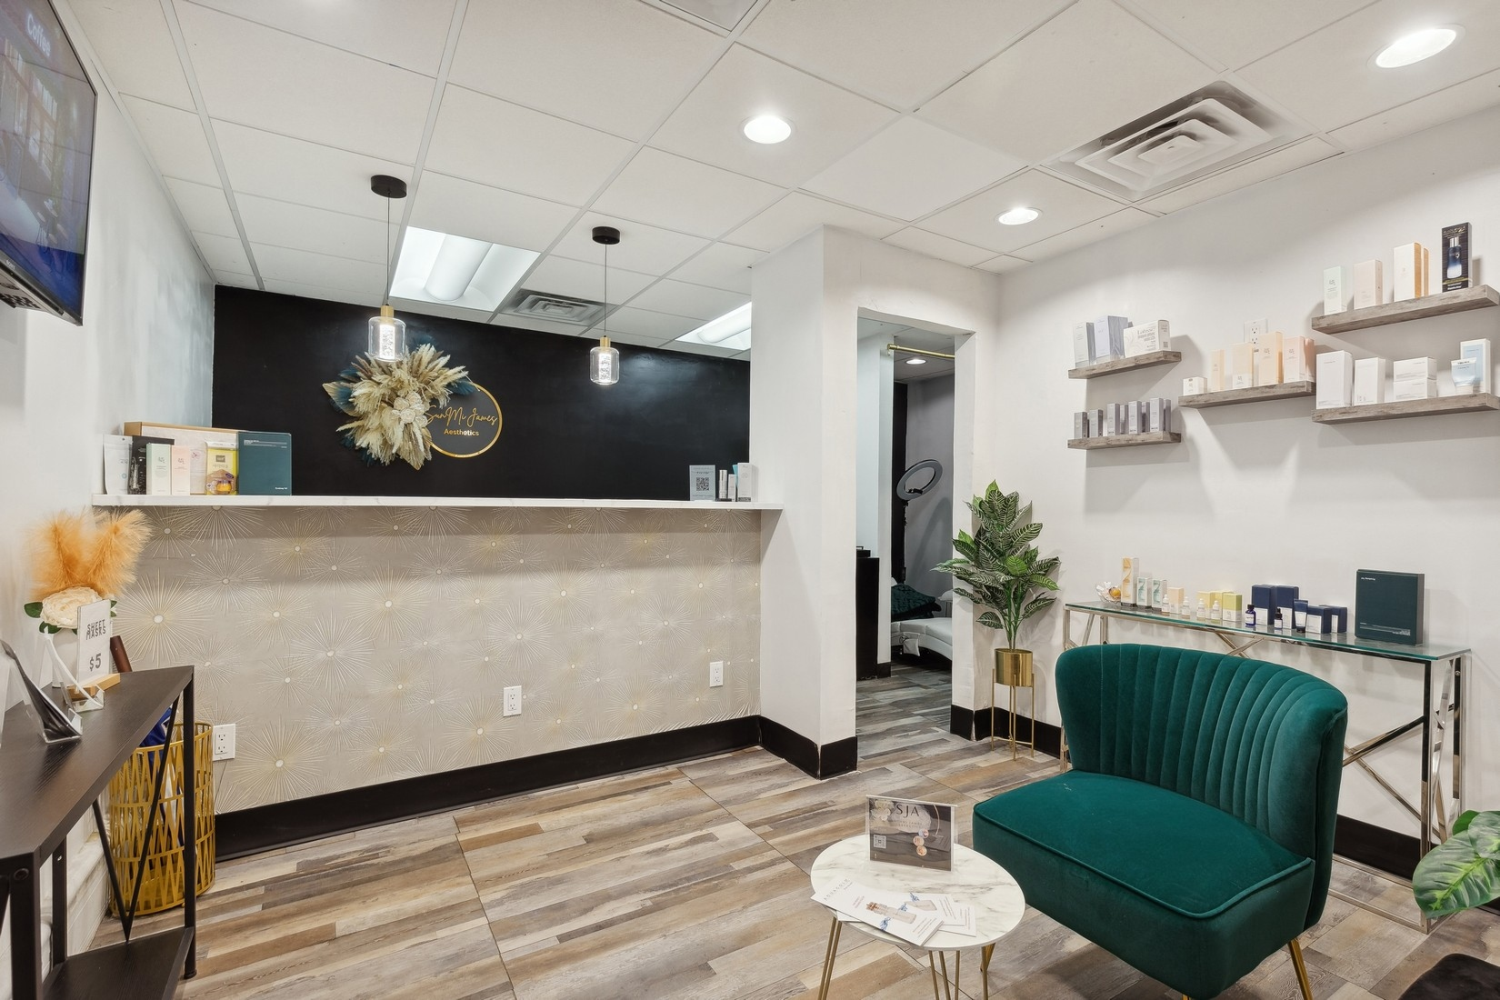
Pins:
<point x="93" y="642"/>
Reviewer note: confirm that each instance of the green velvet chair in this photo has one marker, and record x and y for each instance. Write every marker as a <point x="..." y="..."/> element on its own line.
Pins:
<point x="1194" y="835"/>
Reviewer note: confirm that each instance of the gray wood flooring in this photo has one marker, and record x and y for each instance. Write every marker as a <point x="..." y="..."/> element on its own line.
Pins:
<point x="690" y="882"/>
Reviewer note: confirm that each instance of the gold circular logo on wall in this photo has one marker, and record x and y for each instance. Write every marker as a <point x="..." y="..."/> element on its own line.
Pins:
<point x="468" y="426"/>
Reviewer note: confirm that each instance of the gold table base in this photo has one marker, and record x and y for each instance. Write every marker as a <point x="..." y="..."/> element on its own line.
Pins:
<point x="950" y="990"/>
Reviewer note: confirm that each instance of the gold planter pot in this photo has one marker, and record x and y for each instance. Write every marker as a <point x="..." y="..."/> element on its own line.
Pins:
<point x="1014" y="670"/>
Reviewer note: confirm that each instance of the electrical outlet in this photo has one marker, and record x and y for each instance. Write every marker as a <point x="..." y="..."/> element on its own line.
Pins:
<point x="716" y="674"/>
<point x="513" y="700"/>
<point x="224" y="741"/>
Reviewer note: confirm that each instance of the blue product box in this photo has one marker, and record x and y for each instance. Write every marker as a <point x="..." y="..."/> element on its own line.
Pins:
<point x="1340" y="617"/>
<point x="1319" y="620"/>
<point x="1260" y="600"/>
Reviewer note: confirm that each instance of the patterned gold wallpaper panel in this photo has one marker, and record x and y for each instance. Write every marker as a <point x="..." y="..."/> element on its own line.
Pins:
<point x="356" y="645"/>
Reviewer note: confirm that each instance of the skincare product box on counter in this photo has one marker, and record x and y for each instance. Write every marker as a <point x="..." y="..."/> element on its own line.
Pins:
<point x="1216" y="371"/>
<point x="1327" y="619"/>
<point x="1241" y="367"/>
<point x="1335" y="380"/>
<point x="1369" y="381"/>
<point x="1147" y="337"/>
<point x="1195" y="385"/>
<point x="744" y="482"/>
<point x="1083" y="345"/>
<point x="1335" y="296"/>
<point x="1109" y="337"/>
<point x="195" y="439"/>
<point x="1409" y="278"/>
<point x="1268" y="359"/>
<point x="1298" y="359"/>
<point x="1080" y="425"/>
<point x="1456" y="257"/>
<point x="1369" y="286"/>
<point x="1479" y="352"/>
<point x="1388" y="606"/>
<point x="265" y="463"/>
<point x="1414" y="378"/>
<point x="1130" y="569"/>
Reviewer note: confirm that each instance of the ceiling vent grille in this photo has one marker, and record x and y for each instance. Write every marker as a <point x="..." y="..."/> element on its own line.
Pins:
<point x="555" y="308"/>
<point x="1189" y="138"/>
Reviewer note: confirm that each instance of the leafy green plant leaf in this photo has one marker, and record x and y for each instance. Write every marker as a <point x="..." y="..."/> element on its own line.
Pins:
<point x="33" y="610"/>
<point x="1463" y="871"/>
<point x="1462" y="823"/>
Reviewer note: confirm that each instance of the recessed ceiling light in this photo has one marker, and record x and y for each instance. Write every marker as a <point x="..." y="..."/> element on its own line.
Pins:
<point x="1415" y="47"/>
<point x="457" y="271"/>
<point x="731" y="330"/>
<point x="1017" y="216"/>
<point x="916" y="361"/>
<point x="767" y="129"/>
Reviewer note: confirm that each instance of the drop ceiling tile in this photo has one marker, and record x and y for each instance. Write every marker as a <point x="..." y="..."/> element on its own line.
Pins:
<point x="1091" y="69"/>
<point x="204" y="207"/>
<point x="1273" y="164"/>
<point x="543" y="326"/>
<point x="940" y="247"/>
<point x="306" y="173"/>
<point x="235" y="280"/>
<point x="798" y="213"/>
<point x="912" y="168"/>
<point x="404" y="305"/>
<point x="1063" y="206"/>
<point x="705" y="349"/>
<point x="582" y="59"/>
<point x="508" y="146"/>
<point x="453" y="205"/>
<point x="583" y="280"/>
<point x="223" y="253"/>
<point x="827" y="121"/>
<point x="642" y="248"/>
<point x="317" y="230"/>
<point x="136" y="48"/>
<point x="648" y="325"/>
<point x="1328" y="78"/>
<point x="884" y="49"/>
<point x="1463" y="99"/>
<point x="175" y="140"/>
<point x="620" y="339"/>
<point x="1089" y="232"/>
<point x="326" y="293"/>
<point x="1233" y="33"/>
<point x="684" y="195"/>
<point x="406" y="33"/>
<point x="257" y="76"/>
<point x="682" y="299"/>
<point x="722" y="265"/>
<point x="286" y="264"/>
<point x="1003" y="263"/>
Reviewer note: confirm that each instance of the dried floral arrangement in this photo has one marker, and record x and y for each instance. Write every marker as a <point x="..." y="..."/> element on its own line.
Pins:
<point x="390" y="402"/>
<point x="79" y="558"/>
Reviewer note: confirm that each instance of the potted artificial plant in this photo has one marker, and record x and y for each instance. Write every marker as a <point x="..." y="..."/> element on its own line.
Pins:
<point x="1004" y="573"/>
<point x="1459" y="874"/>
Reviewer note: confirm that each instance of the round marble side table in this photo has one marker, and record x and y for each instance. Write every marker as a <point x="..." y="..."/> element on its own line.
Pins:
<point x="976" y="880"/>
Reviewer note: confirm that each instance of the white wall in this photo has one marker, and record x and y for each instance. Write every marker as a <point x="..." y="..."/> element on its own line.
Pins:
<point x="929" y="519"/>
<point x="803" y="407"/>
<point x="144" y="351"/>
<point x="1260" y="493"/>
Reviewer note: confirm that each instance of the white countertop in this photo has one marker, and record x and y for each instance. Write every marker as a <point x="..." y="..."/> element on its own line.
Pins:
<point x="115" y="500"/>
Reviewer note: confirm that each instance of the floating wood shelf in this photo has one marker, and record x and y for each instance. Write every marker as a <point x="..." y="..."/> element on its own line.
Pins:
<point x="1480" y="403"/>
<point x="1126" y="440"/>
<point x="1440" y="304"/>
<point x="1226" y="397"/>
<point x="1126" y="364"/>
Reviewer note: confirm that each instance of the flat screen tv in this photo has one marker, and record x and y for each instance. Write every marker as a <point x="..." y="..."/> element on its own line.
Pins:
<point x="47" y="109"/>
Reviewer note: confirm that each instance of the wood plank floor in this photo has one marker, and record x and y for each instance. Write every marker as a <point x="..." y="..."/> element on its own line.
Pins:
<point x="690" y="882"/>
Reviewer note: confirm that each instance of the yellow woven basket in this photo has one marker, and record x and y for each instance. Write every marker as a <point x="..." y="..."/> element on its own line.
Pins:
<point x="130" y="808"/>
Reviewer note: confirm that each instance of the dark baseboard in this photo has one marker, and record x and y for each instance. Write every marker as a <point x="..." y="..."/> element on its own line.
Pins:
<point x="974" y="724"/>
<point x="283" y="824"/>
<point x="961" y="721"/>
<point x="878" y="670"/>
<point x="1381" y="849"/>
<point x="794" y="748"/>
<point x="839" y="758"/>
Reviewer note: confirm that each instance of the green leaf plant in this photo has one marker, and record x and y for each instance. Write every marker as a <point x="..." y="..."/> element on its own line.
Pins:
<point x="999" y="567"/>
<point x="1463" y="871"/>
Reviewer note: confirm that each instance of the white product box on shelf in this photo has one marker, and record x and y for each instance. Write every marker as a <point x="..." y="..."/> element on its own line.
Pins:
<point x="1335" y="380"/>
<point x="1083" y="345"/>
<point x="1369" y="381"/>
<point x="1335" y="294"/>
<point x="1369" y="284"/>
<point x="1479" y="350"/>
<point x="1147" y="337"/>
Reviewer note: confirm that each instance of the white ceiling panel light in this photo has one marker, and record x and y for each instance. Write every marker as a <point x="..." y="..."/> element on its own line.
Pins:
<point x="1189" y="138"/>
<point x="767" y="129"/>
<point x="1415" y="47"/>
<point x="1017" y="216"/>
<point x="725" y="13"/>
<point x="457" y="271"/>
<point x="730" y="331"/>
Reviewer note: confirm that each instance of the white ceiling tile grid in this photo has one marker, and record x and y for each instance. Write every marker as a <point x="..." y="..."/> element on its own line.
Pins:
<point x="546" y="118"/>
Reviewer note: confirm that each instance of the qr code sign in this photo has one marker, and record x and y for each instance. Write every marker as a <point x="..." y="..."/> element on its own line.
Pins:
<point x="701" y="484"/>
<point x="878" y="841"/>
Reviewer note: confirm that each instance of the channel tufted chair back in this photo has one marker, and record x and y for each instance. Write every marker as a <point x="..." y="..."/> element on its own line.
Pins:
<point x="1259" y="741"/>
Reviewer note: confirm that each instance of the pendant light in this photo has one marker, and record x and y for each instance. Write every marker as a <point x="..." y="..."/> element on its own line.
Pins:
<point x="604" y="361"/>
<point x="387" y="333"/>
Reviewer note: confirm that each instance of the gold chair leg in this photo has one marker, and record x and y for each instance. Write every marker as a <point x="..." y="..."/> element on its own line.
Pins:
<point x="1301" y="967"/>
<point x="828" y="957"/>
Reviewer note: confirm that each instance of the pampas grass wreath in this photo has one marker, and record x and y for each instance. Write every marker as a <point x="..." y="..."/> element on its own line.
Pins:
<point x="86" y="549"/>
<point x="390" y="402"/>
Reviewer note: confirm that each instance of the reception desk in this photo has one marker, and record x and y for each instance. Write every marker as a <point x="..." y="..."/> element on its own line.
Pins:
<point x="355" y="641"/>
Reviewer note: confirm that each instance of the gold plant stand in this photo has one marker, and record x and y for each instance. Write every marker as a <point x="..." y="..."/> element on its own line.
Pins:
<point x="1013" y="670"/>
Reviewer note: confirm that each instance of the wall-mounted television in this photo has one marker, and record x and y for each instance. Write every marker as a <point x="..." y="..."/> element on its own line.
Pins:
<point x="47" y="107"/>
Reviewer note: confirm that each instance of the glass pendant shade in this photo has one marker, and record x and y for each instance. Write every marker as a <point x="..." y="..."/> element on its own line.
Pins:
<point x="604" y="364"/>
<point x="387" y="335"/>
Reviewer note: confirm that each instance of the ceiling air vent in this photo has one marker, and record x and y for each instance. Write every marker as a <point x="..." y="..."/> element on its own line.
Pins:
<point x="1189" y="138"/>
<point x="556" y="308"/>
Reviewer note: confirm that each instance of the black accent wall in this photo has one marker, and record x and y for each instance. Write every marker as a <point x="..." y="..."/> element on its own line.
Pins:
<point x="562" y="436"/>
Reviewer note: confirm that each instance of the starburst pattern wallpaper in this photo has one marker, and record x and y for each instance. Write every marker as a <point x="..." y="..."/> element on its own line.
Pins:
<point x="356" y="645"/>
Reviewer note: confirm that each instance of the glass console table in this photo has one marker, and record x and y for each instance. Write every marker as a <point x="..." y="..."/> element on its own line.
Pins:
<point x="1438" y="723"/>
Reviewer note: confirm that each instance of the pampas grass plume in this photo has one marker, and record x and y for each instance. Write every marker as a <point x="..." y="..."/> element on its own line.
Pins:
<point x="80" y="549"/>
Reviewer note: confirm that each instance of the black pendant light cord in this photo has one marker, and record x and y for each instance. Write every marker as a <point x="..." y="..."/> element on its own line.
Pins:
<point x="606" y="290"/>
<point x="388" y="251"/>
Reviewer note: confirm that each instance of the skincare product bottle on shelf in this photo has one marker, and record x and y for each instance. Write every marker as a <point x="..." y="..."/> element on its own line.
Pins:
<point x="1277" y="625"/>
<point x="1202" y="614"/>
<point x="1250" y="616"/>
<point x="1299" y="616"/>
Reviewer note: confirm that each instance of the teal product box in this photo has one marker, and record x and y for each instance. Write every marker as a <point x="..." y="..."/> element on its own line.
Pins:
<point x="1388" y="606"/>
<point x="265" y="459"/>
